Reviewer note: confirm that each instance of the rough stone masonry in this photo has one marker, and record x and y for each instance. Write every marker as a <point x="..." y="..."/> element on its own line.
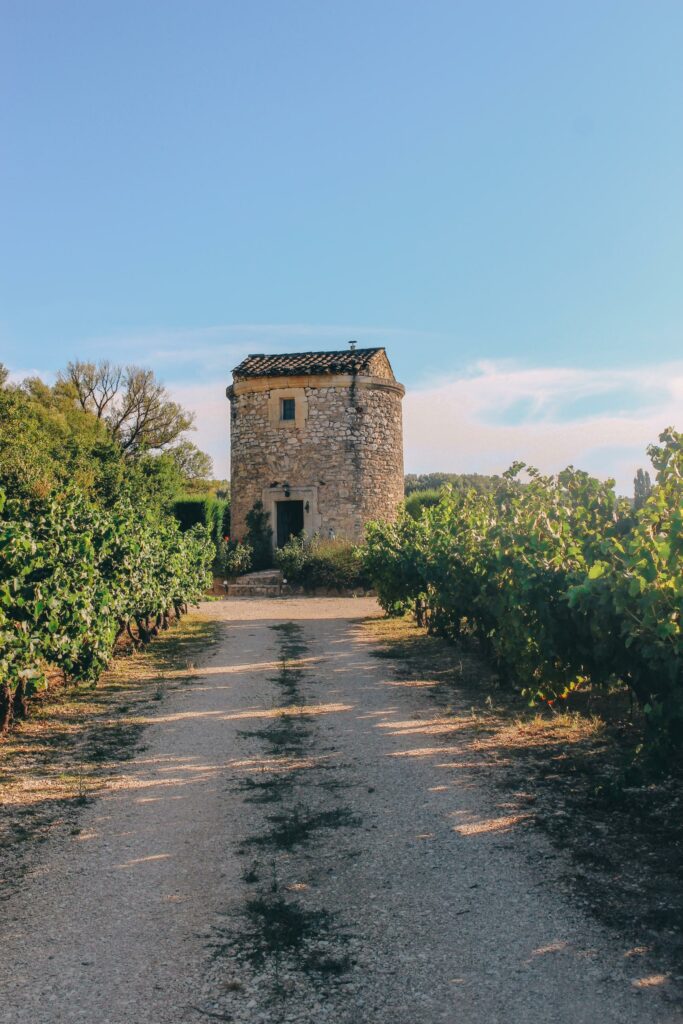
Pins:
<point x="317" y="437"/>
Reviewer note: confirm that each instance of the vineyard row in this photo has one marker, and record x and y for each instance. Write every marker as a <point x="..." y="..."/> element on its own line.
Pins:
<point x="562" y="583"/>
<point x="74" y="576"/>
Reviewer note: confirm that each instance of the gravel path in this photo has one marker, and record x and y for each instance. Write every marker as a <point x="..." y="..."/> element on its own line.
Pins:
<point x="295" y="843"/>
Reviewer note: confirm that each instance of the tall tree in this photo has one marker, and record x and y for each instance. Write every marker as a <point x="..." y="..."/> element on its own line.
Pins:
<point x="642" y="488"/>
<point x="46" y="440"/>
<point x="132" y="402"/>
<point x="192" y="463"/>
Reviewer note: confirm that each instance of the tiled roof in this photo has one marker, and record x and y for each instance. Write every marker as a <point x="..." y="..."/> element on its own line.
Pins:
<point x="293" y="364"/>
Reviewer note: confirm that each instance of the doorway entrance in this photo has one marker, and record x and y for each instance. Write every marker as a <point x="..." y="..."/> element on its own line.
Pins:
<point x="290" y="520"/>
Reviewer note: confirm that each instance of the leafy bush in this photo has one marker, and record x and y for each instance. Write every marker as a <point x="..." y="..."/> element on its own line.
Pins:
<point x="632" y="597"/>
<point x="259" y="537"/>
<point x="206" y="511"/>
<point x="74" y="575"/>
<point x="88" y="548"/>
<point x="234" y="559"/>
<point x="332" y="564"/>
<point x="225" y="531"/>
<point x="559" y="580"/>
<point x="419" y="500"/>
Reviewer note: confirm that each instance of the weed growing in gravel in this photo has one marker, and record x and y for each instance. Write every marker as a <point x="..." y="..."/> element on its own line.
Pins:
<point x="269" y="790"/>
<point x="296" y="826"/>
<point x="283" y="931"/>
<point x="282" y="926"/>
<point x="290" y="638"/>
<point x="81" y="788"/>
<point x="251" y="875"/>
<point x="286" y="734"/>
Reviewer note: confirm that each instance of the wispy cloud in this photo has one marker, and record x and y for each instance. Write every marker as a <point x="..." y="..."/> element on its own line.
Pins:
<point x="600" y="420"/>
<point x="493" y="413"/>
<point x="479" y="420"/>
<point x="203" y="351"/>
<point x="17" y="376"/>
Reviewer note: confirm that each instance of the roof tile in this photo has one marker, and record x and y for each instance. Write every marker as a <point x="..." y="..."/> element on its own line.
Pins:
<point x="292" y="364"/>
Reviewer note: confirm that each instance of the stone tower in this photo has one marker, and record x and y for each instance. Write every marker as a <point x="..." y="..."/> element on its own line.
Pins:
<point x="317" y="437"/>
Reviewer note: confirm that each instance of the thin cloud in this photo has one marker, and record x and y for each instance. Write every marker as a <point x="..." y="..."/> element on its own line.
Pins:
<point x="17" y="376"/>
<point x="207" y="349"/>
<point x="459" y="424"/>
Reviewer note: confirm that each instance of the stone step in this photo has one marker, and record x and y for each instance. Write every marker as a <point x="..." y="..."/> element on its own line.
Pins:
<point x="267" y="583"/>
<point x="236" y="590"/>
<point x="264" y="576"/>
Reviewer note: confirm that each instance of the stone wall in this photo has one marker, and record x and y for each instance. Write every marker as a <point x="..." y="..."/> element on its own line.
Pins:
<point x="343" y="457"/>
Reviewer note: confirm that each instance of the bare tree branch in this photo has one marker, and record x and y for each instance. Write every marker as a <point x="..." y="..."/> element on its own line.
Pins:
<point x="136" y="407"/>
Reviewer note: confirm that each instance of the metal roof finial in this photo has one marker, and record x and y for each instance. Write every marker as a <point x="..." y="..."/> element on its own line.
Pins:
<point x="352" y="345"/>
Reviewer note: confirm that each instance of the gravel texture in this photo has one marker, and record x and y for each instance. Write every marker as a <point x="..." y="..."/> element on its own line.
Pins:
<point x="295" y="843"/>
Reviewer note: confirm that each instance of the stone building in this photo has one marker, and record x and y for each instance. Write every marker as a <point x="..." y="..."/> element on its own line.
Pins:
<point x="317" y="437"/>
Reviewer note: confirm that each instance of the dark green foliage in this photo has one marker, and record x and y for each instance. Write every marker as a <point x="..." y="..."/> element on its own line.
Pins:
<point x="87" y="548"/>
<point x="47" y="442"/>
<point x="204" y="511"/>
<point x="74" y="575"/>
<point x="642" y="488"/>
<point x="193" y="511"/>
<point x="53" y="437"/>
<point x="631" y="600"/>
<point x="558" y="580"/>
<point x="259" y="537"/>
<point x="211" y="513"/>
<point x="330" y="564"/>
<point x="419" y="500"/>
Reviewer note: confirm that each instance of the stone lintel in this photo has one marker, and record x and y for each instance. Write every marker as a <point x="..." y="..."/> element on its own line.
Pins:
<point x="321" y="380"/>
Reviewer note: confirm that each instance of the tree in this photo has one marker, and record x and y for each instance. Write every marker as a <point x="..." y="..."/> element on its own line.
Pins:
<point x="642" y="488"/>
<point x="192" y="463"/>
<point x="79" y="432"/>
<point x="259" y="536"/>
<point x="46" y="440"/>
<point x="132" y="402"/>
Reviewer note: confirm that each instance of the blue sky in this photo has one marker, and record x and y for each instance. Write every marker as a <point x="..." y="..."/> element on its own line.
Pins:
<point x="492" y="190"/>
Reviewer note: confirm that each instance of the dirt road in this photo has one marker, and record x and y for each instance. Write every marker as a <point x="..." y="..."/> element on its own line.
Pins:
<point x="293" y="843"/>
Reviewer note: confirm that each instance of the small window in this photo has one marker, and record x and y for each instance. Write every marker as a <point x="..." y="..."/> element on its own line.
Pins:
<point x="287" y="409"/>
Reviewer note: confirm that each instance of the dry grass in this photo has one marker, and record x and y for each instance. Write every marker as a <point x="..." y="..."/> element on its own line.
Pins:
<point x="75" y="738"/>
<point x="574" y="773"/>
